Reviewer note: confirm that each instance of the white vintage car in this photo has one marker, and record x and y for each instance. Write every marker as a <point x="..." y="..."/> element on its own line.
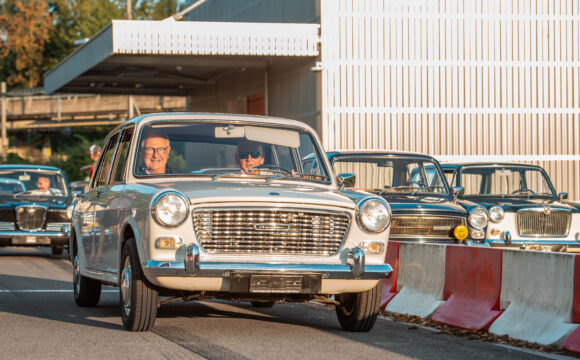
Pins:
<point x="205" y="206"/>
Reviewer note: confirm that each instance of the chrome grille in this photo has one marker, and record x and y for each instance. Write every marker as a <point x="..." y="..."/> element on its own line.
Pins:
<point x="267" y="231"/>
<point x="412" y="226"/>
<point x="55" y="226"/>
<point x="30" y="217"/>
<point x="6" y="226"/>
<point x="535" y="222"/>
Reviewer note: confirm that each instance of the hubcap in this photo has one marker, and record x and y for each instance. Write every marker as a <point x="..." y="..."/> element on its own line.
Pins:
<point x="76" y="275"/>
<point x="126" y="285"/>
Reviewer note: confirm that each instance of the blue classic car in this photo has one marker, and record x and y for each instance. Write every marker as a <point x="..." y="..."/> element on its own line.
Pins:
<point x="35" y="207"/>
<point x="424" y="207"/>
<point x="524" y="210"/>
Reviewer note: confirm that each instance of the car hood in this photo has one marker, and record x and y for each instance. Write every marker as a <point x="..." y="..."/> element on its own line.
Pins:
<point x="299" y="193"/>
<point x="427" y="204"/>
<point x="515" y="204"/>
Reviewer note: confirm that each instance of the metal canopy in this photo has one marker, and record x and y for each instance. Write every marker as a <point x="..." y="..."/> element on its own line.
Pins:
<point x="174" y="58"/>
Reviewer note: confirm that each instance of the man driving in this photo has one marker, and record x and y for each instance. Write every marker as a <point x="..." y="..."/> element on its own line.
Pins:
<point x="155" y="150"/>
<point x="43" y="184"/>
<point x="249" y="155"/>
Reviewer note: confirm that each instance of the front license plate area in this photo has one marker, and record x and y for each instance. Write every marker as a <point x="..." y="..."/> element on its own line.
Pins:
<point x="275" y="283"/>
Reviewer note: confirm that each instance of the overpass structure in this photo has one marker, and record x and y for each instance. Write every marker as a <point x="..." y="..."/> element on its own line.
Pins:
<point x="82" y="110"/>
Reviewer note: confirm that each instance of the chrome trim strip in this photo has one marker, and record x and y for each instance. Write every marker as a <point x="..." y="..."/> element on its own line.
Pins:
<point x="56" y="234"/>
<point x="539" y="242"/>
<point x="215" y="269"/>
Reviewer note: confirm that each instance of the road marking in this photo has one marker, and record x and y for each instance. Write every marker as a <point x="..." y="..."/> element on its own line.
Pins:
<point x="48" y="291"/>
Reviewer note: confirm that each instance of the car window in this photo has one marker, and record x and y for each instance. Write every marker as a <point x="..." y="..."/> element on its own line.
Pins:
<point x="191" y="148"/>
<point x="504" y="181"/>
<point x="121" y="156"/>
<point x="402" y="175"/>
<point x="104" y="164"/>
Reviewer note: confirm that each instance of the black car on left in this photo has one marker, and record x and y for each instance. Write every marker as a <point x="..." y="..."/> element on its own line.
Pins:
<point x="425" y="208"/>
<point x="35" y="207"/>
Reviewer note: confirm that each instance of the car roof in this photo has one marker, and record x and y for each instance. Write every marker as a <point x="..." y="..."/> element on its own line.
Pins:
<point x="215" y="116"/>
<point x="487" y="164"/>
<point x="29" y="167"/>
<point x="377" y="153"/>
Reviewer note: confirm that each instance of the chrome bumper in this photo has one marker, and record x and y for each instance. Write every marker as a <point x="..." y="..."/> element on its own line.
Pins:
<point x="356" y="269"/>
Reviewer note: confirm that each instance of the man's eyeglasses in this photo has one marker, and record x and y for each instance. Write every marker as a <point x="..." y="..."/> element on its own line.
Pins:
<point x="160" y="150"/>
<point x="254" y="154"/>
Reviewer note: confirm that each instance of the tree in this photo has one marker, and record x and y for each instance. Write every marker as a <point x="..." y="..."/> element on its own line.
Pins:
<point x="25" y="27"/>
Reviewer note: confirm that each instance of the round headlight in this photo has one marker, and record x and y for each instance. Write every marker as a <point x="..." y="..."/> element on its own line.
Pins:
<point x="496" y="214"/>
<point x="69" y="211"/>
<point x="170" y="209"/>
<point x="374" y="215"/>
<point x="478" y="218"/>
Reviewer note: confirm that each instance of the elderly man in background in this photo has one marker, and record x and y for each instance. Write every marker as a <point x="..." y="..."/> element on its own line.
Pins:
<point x="155" y="150"/>
<point x="249" y="155"/>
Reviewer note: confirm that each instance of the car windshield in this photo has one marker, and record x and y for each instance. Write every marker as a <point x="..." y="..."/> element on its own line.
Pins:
<point x="396" y="175"/>
<point x="32" y="183"/>
<point x="505" y="181"/>
<point x="226" y="150"/>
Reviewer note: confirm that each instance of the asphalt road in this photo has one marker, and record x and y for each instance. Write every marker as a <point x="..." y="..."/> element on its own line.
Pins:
<point x="39" y="320"/>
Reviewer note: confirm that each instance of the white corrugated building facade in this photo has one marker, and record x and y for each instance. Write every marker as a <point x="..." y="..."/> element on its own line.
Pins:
<point x="461" y="80"/>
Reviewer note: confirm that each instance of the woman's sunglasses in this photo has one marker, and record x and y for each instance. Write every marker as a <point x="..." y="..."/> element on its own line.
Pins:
<point x="254" y="154"/>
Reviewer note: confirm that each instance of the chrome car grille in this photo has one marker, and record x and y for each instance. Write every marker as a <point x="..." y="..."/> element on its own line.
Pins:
<point x="6" y="226"/>
<point x="414" y="226"/>
<point x="55" y="226"/>
<point x="30" y="217"/>
<point x="536" y="222"/>
<point x="267" y="231"/>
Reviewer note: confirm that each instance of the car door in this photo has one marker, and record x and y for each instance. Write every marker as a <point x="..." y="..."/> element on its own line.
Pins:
<point x="94" y="243"/>
<point x="109" y="213"/>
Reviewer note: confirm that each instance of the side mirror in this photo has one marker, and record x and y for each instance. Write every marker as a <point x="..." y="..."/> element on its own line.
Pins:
<point x="563" y="196"/>
<point x="346" y="179"/>
<point x="458" y="191"/>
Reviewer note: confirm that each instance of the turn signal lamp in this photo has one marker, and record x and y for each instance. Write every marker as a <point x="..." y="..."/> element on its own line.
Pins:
<point x="168" y="243"/>
<point x="495" y="231"/>
<point x="373" y="247"/>
<point x="461" y="232"/>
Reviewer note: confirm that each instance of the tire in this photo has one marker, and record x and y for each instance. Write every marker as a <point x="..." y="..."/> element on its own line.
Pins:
<point x="87" y="292"/>
<point x="263" y="304"/>
<point x="359" y="311"/>
<point x="138" y="298"/>
<point x="57" y="250"/>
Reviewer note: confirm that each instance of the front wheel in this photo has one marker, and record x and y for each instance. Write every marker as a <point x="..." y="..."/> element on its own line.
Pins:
<point x="138" y="298"/>
<point x="87" y="292"/>
<point x="359" y="311"/>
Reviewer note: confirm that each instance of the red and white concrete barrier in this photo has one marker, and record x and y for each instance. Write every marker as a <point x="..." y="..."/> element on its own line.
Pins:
<point x="572" y="342"/>
<point x="389" y="284"/>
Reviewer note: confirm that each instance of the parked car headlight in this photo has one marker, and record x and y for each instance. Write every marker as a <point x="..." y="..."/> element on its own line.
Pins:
<point x="478" y="218"/>
<point x="373" y="215"/>
<point x="496" y="214"/>
<point x="170" y="209"/>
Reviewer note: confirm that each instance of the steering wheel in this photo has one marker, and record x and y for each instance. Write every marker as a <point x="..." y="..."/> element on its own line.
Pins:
<point x="272" y="168"/>
<point x="523" y="191"/>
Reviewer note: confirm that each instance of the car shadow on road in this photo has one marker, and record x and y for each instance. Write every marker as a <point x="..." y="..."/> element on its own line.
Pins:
<point x="54" y="300"/>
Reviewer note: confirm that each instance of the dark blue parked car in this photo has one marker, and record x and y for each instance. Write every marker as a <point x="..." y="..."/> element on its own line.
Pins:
<point x="424" y="207"/>
<point x="524" y="210"/>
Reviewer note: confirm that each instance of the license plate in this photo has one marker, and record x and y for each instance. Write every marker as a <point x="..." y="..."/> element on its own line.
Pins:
<point x="275" y="284"/>
<point x="31" y="240"/>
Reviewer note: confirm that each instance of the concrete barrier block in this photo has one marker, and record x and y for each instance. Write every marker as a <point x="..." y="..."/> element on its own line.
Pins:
<point x="420" y="279"/>
<point x="572" y="342"/>
<point x="472" y="287"/>
<point x="536" y="293"/>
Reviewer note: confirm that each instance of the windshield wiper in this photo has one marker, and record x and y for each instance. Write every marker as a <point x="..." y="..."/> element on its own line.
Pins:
<point x="215" y="177"/>
<point x="298" y="176"/>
